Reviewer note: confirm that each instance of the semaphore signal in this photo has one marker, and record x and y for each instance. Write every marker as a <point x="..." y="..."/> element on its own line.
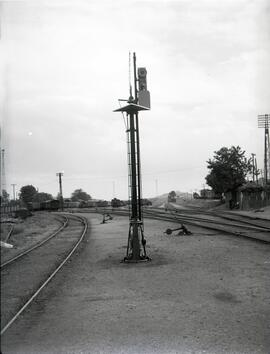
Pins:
<point x="136" y="247"/>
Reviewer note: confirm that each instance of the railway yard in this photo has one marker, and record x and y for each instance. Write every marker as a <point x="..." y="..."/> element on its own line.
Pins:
<point x="65" y="290"/>
<point x="170" y="253"/>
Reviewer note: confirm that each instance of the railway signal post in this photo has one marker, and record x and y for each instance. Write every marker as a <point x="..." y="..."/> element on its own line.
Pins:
<point x="136" y="250"/>
<point x="60" y="174"/>
<point x="264" y="122"/>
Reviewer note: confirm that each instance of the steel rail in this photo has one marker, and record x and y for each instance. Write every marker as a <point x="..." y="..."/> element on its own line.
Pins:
<point x="229" y="232"/>
<point x="221" y="216"/>
<point x="180" y="219"/>
<point x="186" y="218"/>
<point x="214" y="213"/>
<point x="37" y="245"/>
<point x="237" y="224"/>
<point x="84" y="222"/>
<point x="243" y="221"/>
<point x="229" y="216"/>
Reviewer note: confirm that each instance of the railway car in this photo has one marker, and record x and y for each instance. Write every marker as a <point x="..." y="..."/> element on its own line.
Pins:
<point x="88" y="204"/>
<point x="71" y="204"/>
<point x="33" y="206"/>
<point x="53" y="204"/>
<point x="94" y="203"/>
<point x="102" y="203"/>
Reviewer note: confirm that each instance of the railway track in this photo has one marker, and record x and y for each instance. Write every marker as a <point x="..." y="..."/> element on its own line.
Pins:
<point x="226" y="215"/>
<point x="218" y="218"/>
<point x="249" y="220"/>
<point x="36" y="245"/>
<point x="251" y="232"/>
<point x="230" y="225"/>
<point x="26" y="275"/>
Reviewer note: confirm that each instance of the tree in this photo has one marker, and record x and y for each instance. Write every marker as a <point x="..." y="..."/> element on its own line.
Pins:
<point x="28" y="193"/>
<point x="42" y="197"/>
<point x="79" y="194"/>
<point x="228" y="169"/>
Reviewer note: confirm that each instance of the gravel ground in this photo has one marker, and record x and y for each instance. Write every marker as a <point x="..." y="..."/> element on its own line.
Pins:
<point x="205" y="293"/>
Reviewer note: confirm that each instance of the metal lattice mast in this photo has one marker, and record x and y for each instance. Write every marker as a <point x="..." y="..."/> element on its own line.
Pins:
<point x="136" y="242"/>
<point x="263" y="122"/>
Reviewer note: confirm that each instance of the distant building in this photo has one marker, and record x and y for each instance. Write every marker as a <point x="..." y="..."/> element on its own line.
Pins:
<point x="209" y="194"/>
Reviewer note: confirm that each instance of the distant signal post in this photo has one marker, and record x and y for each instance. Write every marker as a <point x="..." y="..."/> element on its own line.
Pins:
<point x="136" y="247"/>
<point x="60" y="174"/>
<point x="264" y="122"/>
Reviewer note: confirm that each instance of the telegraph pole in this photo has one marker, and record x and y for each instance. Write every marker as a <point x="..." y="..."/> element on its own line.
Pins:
<point x="60" y="174"/>
<point x="253" y="167"/>
<point x="14" y="194"/>
<point x="256" y="169"/>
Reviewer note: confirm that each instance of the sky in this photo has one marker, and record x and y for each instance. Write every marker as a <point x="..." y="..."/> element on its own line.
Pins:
<point x="65" y="64"/>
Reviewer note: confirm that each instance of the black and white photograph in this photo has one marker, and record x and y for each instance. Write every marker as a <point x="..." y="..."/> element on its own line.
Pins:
<point x="135" y="176"/>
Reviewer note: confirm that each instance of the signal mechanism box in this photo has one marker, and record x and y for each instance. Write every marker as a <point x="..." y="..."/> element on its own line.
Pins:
<point x="144" y="98"/>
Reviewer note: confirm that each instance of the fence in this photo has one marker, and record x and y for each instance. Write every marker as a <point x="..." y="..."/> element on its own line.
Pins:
<point x="9" y="209"/>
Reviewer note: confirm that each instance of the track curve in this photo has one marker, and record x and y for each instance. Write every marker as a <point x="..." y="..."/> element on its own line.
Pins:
<point x="38" y="244"/>
<point x="26" y="277"/>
